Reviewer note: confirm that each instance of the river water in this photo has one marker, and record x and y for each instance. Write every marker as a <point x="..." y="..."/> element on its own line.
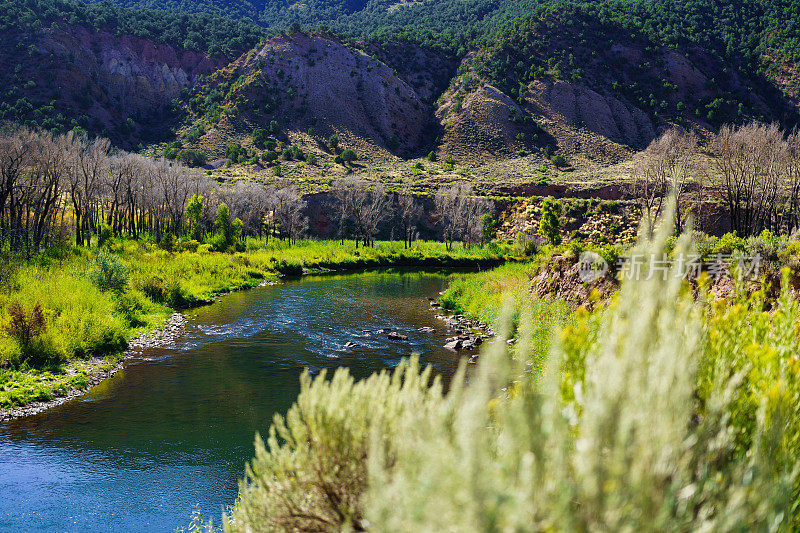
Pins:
<point x="172" y="431"/>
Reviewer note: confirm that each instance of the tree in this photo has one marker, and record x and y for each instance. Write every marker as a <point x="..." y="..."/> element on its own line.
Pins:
<point x="550" y="221"/>
<point x="223" y="224"/>
<point x="459" y="212"/>
<point x="260" y="136"/>
<point x="364" y="204"/>
<point x="749" y="166"/>
<point x="409" y="210"/>
<point x="192" y="158"/>
<point x="662" y="167"/>
<point x="333" y="141"/>
<point x="194" y="215"/>
<point x="348" y="156"/>
<point x="488" y="228"/>
<point x="288" y="211"/>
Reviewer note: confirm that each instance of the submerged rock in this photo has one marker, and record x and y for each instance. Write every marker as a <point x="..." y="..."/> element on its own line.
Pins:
<point x="397" y="336"/>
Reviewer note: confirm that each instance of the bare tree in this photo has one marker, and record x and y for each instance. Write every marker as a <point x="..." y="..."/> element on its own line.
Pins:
<point x="365" y="204"/>
<point x="663" y="167"/>
<point x="749" y="164"/>
<point x="409" y="211"/>
<point x="459" y="211"/>
<point x="288" y="212"/>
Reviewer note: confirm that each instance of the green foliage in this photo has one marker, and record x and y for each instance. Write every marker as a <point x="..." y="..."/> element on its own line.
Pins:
<point x="488" y="227"/>
<point x="192" y="158"/>
<point x="312" y="473"/>
<point x="349" y="155"/>
<point x="333" y="141"/>
<point x="194" y="215"/>
<point x="728" y="244"/>
<point x="167" y="242"/>
<point x="559" y="160"/>
<point x="223" y="226"/>
<point x="550" y="221"/>
<point x="109" y="273"/>
<point x="260" y="137"/>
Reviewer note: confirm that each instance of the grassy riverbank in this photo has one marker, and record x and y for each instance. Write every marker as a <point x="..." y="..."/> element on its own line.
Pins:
<point x="81" y="320"/>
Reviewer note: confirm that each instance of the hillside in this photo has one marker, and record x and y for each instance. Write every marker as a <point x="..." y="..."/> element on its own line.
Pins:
<point x="110" y="71"/>
<point x="308" y="88"/>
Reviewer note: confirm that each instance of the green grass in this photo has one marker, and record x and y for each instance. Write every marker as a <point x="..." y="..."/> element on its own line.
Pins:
<point x="83" y="321"/>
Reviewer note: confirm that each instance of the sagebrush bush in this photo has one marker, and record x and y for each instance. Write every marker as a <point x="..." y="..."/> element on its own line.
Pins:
<point x="626" y="450"/>
<point x="312" y="473"/>
<point x="109" y="273"/>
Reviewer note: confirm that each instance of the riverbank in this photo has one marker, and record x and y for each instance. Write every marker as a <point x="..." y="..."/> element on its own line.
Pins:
<point x="87" y="330"/>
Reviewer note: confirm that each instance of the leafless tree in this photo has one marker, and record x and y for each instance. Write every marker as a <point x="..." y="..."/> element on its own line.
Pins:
<point x="288" y="212"/>
<point x="749" y="164"/>
<point x="664" y="167"/>
<point x="459" y="212"/>
<point x="364" y="204"/>
<point x="409" y="211"/>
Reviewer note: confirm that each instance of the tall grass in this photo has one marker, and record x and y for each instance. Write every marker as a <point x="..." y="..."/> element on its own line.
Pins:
<point x="647" y="416"/>
<point x="93" y="300"/>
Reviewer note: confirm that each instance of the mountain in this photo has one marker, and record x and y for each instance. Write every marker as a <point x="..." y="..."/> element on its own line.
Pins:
<point x="114" y="72"/>
<point x="473" y="80"/>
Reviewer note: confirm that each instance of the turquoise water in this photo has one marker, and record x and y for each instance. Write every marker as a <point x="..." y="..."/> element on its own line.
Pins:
<point x="173" y="430"/>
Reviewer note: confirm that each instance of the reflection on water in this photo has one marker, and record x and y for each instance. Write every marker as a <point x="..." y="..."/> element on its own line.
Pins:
<point x="173" y="429"/>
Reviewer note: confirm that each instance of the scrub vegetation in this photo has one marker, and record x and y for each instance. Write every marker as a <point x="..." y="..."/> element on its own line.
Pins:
<point x="664" y="411"/>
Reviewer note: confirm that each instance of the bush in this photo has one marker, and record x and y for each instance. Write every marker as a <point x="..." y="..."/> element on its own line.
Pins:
<point x="204" y="248"/>
<point x="104" y="236"/>
<point x="559" y="160"/>
<point x="26" y="328"/>
<point x="608" y="438"/>
<point x="526" y="245"/>
<point x="550" y="221"/>
<point x="728" y="244"/>
<point x="312" y="473"/>
<point x="348" y="156"/>
<point x="167" y="242"/>
<point x="109" y="273"/>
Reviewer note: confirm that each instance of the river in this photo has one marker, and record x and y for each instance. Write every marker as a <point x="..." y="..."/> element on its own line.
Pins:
<point x="172" y="431"/>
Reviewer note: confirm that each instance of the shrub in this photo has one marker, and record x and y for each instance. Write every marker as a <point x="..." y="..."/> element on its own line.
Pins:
<point x="204" y="249"/>
<point x="25" y="327"/>
<point x="526" y="245"/>
<point x="167" y="242"/>
<point x="559" y="160"/>
<point x="109" y="273"/>
<point x="104" y="236"/>
<point x="349" y="155"/>
<point x="270" y="156"/>
<point x="432" y="157"/>
<point x="607" y="439"/>
<point x="768" y="245"/>
<point x="550" y="221"/>
<point x="728" y="244"/>
<point x="312" y="473"/>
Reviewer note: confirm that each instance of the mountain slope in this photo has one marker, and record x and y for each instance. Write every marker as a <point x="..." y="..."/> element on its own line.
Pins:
<point x="313" y="87"/>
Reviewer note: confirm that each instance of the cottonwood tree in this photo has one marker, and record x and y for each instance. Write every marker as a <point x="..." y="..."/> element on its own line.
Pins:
<point x="749" y="166"/>
<point x="363" y="203"/>
<point x="409" y="211"/>
<point x="663" y="167"/>
<point x="288" y="210"/>
<point x="460" y="213"/>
